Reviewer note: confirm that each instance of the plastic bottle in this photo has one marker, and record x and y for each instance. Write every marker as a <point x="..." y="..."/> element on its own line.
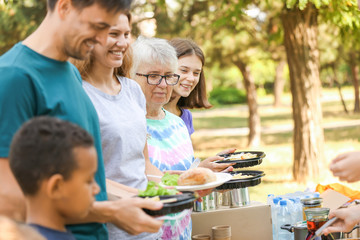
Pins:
<point x="316" y="194"/>
<point x="283" y="217"/>
<point x="270" y="198"/>
<point x="298" y="215"/>
<point x="274" y="210"/>
<point x="292" y="210"/>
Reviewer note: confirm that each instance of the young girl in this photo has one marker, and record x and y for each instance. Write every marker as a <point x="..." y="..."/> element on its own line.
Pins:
<point x="190" y="92"/>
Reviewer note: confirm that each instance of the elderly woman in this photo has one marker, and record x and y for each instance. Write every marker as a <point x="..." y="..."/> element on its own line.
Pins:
<point x="169" y="143"/>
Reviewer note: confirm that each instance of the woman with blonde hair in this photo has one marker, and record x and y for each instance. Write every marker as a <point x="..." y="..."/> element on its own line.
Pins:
<point x="121" y="109"/>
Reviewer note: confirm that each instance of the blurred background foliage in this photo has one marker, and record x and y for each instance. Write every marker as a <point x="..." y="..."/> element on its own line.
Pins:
<point x="19" y="18"/>
<point x="227" y="31"/>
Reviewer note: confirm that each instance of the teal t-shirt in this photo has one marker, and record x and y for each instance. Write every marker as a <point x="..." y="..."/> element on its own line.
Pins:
<point x="34" y="85"/>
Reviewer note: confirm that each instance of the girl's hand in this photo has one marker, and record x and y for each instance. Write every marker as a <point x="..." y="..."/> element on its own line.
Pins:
<point x="216" y="167"/>
<point x="227" y="151"/>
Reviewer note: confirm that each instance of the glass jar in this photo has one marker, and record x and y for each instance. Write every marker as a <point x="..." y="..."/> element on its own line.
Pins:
<point x="315" y="218"/>
<point x="308" y="203"/>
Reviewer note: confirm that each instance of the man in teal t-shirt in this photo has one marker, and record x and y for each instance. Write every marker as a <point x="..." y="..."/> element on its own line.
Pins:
<point x="36" y="79"/>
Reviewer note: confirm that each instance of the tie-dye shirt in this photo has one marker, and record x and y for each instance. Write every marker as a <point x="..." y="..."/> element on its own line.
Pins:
<point x="169" y="143"/>
<point x="170" y="148"/>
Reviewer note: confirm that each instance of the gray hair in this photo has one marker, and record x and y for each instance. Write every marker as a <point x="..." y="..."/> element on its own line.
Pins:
<point x="153" y="51"/>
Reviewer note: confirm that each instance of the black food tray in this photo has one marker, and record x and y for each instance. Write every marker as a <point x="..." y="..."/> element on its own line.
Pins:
<point x="245" y="162"/>
<point x="254" y="180"/>
<point x="185" y="201"/>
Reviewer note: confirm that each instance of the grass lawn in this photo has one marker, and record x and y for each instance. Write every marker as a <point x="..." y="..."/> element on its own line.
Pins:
<point x="278" y="147"/>
<point x="236" y="116"/>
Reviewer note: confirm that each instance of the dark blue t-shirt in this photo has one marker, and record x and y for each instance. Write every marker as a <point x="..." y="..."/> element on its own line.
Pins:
<point x="34" y="85"/>
<point x="51" y="234"/>
<point x="186" y="116"/>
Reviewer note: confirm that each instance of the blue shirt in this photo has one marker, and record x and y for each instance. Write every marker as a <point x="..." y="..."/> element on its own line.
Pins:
<point x="34" y="85"/>
<point x="51" y="234"/>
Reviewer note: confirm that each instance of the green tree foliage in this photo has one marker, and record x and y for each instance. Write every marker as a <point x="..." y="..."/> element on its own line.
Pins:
<point x="18" y="19"/>
<point x="227" y="95"/>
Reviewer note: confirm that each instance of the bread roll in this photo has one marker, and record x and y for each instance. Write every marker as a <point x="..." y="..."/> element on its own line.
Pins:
<point x="196" y="176"/>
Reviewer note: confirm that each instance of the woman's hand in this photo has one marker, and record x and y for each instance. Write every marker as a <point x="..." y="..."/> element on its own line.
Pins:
<point x="347" y="219"/>
<point x="216" y="167"/>
<point x="346" y="166"/>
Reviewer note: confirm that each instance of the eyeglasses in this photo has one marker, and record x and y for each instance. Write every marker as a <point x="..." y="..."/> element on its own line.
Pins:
<point x="155" y="79"/>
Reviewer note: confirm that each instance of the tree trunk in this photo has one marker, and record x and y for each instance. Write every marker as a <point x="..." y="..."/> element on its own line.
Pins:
<point x="300" y="38"/>
<point x="279" y="83"/>
<point x="355" y="72"/>
<point x="336" y="80"/>
<point x="254" y="117"/>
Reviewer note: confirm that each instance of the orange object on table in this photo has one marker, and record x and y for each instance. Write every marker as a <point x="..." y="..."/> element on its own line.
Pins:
<point x="353" y="194"/>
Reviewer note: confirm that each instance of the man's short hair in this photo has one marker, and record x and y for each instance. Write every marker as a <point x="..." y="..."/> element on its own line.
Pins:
<point x="42" y="147"/>
<point x="109" y="5"/>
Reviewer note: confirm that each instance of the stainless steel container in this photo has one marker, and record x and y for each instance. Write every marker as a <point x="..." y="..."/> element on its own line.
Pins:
<point x="222" y="199"/>
<point x="208" y="203"/>
<point x="211" y="201"/>
<point x="239" y="197"/>
<point x="201" y="206"/>
<point x="300" y="231"/>
<point x="225" y="198"/>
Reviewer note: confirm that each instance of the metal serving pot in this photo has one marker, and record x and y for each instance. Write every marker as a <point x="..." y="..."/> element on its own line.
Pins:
<point x="300" y="231"/>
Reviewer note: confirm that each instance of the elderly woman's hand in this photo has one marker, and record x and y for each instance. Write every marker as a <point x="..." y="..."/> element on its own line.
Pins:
<point x="203" y="193"/>
<point x="216" y="167"/>
<point x="178" y="172"/>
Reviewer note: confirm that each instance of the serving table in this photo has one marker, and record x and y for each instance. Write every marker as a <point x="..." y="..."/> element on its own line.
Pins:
<point x="250" y="222"/>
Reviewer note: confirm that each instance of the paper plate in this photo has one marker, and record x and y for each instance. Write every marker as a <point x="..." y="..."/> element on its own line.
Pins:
<point x="220" y="179"/>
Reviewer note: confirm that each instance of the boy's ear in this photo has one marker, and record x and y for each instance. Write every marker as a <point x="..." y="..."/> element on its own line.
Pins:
<point x="63" y="8"/>
<point x="54" y="188"/>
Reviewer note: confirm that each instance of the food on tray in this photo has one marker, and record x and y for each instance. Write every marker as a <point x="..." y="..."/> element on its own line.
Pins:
<point x="240" y="156"/>
<point x="196" y="176"/>
<point x="170" y="179"/>
<point x="157" y="198"/>
<point x="237" y="169"/>
<point x="240" y="176"/>
<point x="153" y="189"/>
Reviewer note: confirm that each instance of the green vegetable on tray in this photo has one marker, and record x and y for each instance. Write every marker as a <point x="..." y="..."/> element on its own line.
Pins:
<point x="153" y="189"/>
<point x="170" y="179"/>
